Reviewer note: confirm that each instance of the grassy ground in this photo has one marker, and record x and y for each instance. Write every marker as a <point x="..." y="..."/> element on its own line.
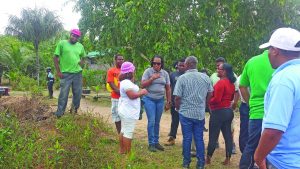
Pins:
<point x="75" y="142"/>
<point x="79" y="142"/>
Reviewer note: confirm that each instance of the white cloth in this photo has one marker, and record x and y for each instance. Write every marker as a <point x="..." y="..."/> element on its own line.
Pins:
<point x="129" y="108"/>
<point x="238" y="82"/>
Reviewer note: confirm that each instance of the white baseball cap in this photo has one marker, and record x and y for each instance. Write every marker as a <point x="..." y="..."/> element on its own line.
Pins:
<point x="285" y="39"/>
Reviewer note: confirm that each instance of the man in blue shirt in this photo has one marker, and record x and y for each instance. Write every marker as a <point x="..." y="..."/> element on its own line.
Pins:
<point x="279" y="145"/>
<point x="50" y="82"/>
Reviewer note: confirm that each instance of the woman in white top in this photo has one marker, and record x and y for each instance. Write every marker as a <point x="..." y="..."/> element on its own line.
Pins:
<point x="129" y="106"/>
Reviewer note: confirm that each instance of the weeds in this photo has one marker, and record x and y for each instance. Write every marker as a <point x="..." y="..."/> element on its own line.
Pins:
<point x="76" y="142"/>
<point x="56" y="154"/>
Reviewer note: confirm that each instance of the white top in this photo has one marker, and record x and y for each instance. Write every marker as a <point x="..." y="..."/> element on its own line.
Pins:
<point x="128" y="108"/>
<point x="238" y="81"/>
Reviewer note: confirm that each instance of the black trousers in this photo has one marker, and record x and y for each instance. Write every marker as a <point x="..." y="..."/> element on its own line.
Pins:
<point x="174" y="123"/>
<point x="220" y="120"/>
<point x="50" y="88"/>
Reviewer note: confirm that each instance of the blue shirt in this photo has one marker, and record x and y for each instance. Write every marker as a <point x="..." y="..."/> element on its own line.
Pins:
<point x="282" y="112"/>
<point x="192" y="87"/>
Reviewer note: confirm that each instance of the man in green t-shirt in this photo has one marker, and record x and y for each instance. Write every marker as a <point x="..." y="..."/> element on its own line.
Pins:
<point x="68" y="61"/>
<point x="256" y="75"/>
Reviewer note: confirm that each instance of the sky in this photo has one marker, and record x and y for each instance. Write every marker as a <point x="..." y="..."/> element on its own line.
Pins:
<point x="62" y="8"/>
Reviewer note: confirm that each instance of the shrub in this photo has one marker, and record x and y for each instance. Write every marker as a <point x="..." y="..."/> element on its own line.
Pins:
<point x="93" y="77"/>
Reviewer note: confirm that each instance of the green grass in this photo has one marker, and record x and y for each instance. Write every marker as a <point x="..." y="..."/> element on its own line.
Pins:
<point x="80" y="142"/>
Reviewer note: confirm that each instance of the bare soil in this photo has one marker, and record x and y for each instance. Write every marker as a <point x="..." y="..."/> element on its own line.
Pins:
<point x="25" y="108"/>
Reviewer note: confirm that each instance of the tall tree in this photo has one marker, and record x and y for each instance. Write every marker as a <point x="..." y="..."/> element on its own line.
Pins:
<point x="175" y="28"/>
<point x="34" y="25"/>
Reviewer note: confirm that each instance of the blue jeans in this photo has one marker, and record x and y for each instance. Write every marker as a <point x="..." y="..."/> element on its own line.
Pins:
<point x="192" y="127"/>
<point x="244" y="122"/>
<point x="254" y="131"/>
<point x="154" y="109"/>
<point x="68" y="80"/>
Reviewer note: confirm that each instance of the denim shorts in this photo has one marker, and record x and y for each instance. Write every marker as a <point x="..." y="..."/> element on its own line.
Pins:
<point x="114" y="110"/>
<point x="127" y="127"/>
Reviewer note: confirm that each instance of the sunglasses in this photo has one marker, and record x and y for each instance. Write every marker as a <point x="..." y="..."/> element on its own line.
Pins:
<point x="156" y="63"/>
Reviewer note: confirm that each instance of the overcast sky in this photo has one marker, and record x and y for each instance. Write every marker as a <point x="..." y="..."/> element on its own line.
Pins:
<point x="60" y="7"/>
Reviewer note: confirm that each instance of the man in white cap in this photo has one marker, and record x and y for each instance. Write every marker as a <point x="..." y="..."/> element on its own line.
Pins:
<point x="68" y="61"/>
<point x="279" y="145"/>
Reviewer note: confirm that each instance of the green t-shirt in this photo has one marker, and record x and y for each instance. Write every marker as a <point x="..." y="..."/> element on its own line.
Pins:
<point x="214" y="79"/>
<point x="257" y="74"/>
<point x="69" y="56"/>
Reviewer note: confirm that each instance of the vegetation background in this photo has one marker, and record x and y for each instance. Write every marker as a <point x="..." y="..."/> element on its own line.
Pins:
<point x="137" y="29"/>
<point x="140" y="29"/>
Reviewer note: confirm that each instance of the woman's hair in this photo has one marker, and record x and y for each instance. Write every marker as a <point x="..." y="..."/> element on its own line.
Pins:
<point x="229" y="72"/>
<point x="162" y="61"/>
<point x="128" y="76"/>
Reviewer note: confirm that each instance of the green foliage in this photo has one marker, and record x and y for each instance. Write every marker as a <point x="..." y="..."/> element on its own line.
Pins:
<point x="34" y="25"/>
<point x="139" y="29"/>
<point x="21" y="82"/>
<point x="67" y="125"/>
<point x="17" y="151"/>
<point x="54" y="155"/>
<point x="16" y="55"/>
<point x="78" y="142"/>
<point x="93" y="77"/>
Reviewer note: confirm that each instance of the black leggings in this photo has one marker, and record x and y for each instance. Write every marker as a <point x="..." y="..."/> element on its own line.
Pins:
<point x="220" y="120"/>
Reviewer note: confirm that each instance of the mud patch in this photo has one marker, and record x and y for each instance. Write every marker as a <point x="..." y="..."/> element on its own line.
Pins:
<point x="25" y="108"/>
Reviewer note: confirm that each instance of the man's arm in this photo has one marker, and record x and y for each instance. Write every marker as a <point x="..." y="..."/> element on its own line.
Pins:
<point x="56" y="64"/>
<point x="114" y="87"/>
<point x="268" y="140"/>
<point x="245" y="93"/>
<point x="177" y="102"/>
<point x="208" y="96"/>
<point x="81" y="62"/>
<point x="168" y="96"/>
<point x="235" y="100"/>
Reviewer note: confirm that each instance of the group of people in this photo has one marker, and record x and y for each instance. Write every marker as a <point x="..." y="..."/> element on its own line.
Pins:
<point x="187" y="92"/>
<point x="267" y="87"/>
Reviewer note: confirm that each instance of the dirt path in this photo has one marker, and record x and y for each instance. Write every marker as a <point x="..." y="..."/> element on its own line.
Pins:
<point x="141" y="128"/>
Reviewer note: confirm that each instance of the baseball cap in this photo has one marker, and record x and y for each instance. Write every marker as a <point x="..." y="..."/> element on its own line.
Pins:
<point x="127" y="67"/>
<point x="76" y="32"/>
<point x="285" y="39"/>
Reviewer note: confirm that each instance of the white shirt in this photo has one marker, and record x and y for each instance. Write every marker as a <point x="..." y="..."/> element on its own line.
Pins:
<point x="128" y="108"/>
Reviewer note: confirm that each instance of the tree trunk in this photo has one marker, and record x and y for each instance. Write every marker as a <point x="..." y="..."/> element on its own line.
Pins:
<point x="36" y="46"/>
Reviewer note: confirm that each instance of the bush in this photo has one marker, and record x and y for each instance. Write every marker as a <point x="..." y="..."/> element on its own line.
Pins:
<point x="93" y="78"/>
<point x="21" y="82"/>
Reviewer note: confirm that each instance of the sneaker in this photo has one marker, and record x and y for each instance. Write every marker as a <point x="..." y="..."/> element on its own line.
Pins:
<point x="73" y="111"/>
<point x="233" y="149"/>
<point x="159" y="147"/>
<point x="205" y="129"/>
<point x="170" y="142"/>
<point x="152" y="148"/>
<point x="56" y="115"/>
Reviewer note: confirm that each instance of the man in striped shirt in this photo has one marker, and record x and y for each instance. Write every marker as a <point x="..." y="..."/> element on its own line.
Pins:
<point x="192" y="91"/>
